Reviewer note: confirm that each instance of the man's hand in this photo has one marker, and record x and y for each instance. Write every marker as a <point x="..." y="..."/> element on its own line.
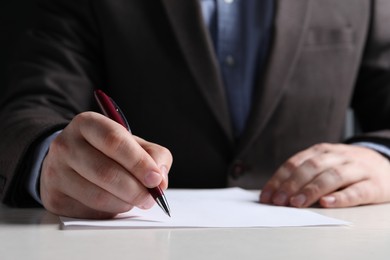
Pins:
<point x="335" y="175"/>
<point x="96" y="169"/>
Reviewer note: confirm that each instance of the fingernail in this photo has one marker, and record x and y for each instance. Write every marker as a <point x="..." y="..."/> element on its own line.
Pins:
<point x="298" y="201"/>
<point x="280" y="198"/>
<point x="164" y="171"/>
<point x="152" y="179"/>
<point x="329" y="200"/>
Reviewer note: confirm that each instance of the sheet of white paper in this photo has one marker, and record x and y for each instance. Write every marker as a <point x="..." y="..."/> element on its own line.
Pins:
<point x="222" y="208"/>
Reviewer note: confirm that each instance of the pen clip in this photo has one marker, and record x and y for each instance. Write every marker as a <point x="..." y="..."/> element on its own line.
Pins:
<point x="111" y="109"/>
<point x="119" y="111"/>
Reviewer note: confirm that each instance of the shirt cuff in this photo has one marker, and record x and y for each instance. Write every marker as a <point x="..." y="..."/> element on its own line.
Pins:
<point x="380" y="148"/>
<point x="39" y="155"/>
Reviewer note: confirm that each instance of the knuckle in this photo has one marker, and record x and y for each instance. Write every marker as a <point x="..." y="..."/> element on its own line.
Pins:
<point x="290" y="186"/>
<point x="314" y="163"/>
<point x="107" y="174"/>
<point x="99" y="199"/>
<point x="59" y="146"/>
<point x="114" y="141"/>
<point x="140" y="162"/>
<point x="291" y="165"/>
<point x="160" y="150"/>
<point x="164" y="150"/>
<point x="272" y="184"/>
<point x="48" y="172"/>
<point x="321" y="147"/>
<point x="51" y="174"/>
<point x="82" y="118"/>
<point x="355" y="194"/>
<point x="166" y="154"/>
<point x="313" y="190"/>
<point x="335" y="175"/>
<point x="54" y="202"/>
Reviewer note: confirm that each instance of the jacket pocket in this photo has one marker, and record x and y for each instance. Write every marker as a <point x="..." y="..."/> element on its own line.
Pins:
<point x="322" y="38"/>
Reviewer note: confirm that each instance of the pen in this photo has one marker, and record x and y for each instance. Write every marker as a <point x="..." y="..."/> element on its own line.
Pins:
<point x="112" y="110"/>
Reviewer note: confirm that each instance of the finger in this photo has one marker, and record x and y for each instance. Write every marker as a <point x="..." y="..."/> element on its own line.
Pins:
<point x="97" y="168"/>
<point x="107" y="174"/>
<point x="69" y="207"/>
<point x="303" y="175"/>
<point x="357" y="194"/>
<point x="284" y="173"/>
<point x="270" y="189"/>
<point x="328" y="181"/>
<point x="161" y="155"/>
<point x="117" y="143"/>
<point x="71" y="184"/>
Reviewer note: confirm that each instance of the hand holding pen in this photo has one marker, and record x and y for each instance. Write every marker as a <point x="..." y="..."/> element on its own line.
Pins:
<point x="112" y="110"/>
<point x="95" y="169"/>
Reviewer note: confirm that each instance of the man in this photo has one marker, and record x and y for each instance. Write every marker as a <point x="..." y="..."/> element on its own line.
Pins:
<point x="167" y="64"/>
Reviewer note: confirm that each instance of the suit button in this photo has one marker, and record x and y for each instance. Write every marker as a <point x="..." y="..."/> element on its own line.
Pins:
<point x="238" y="169"/>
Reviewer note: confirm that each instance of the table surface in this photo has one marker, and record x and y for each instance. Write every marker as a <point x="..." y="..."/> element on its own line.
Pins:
<point x="36" y="234"/>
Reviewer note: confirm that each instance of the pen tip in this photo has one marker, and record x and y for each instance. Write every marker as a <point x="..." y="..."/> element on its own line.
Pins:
<point x="162" y="202"/>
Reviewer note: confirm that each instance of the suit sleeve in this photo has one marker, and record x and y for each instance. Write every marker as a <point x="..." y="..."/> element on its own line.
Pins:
<point x="50" y="81"/>
<point x="371" y="100"/>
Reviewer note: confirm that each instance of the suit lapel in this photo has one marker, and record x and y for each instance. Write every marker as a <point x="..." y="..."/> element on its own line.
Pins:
<point x="196" y="46"/>
<point x="186" y="19"/>
<point x="290" y="24"/>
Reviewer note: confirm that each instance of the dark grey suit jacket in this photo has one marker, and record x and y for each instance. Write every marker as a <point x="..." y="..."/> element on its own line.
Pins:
<point x="156" y="59"/>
